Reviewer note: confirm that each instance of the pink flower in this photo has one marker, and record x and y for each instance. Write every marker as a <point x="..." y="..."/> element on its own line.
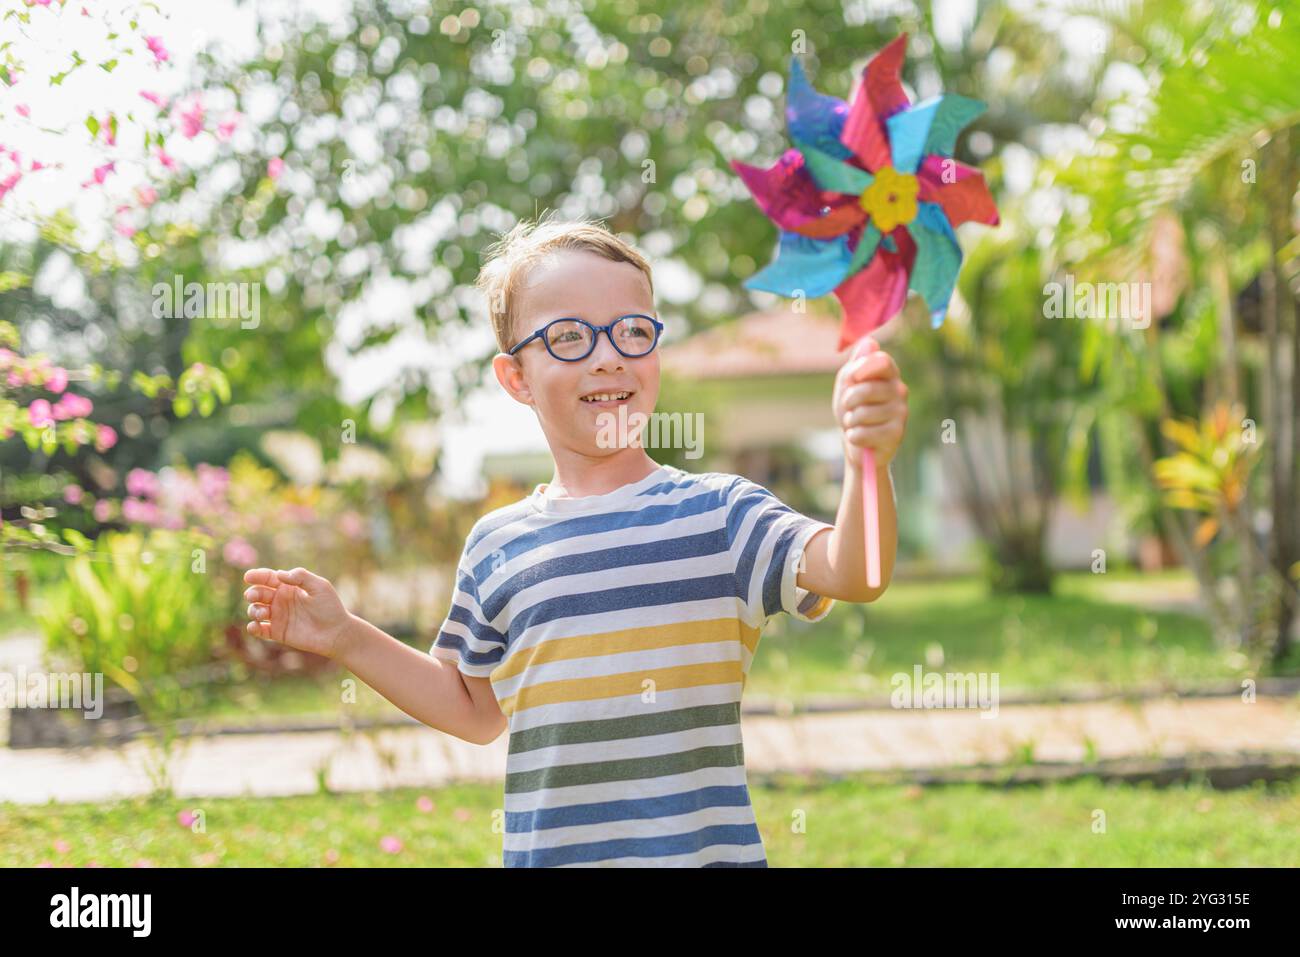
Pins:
<point x="105" y="438"/>
<point x="103" y="510"/>
<point x="226" y="128"/>
<point x="238" y="552"/>
<point x="137" y="510"/>
<point x="61" y="846"/>
<point x="331" y="856"/>
<point x="100" y="174"/>
<point x="165" y="158"/>
<point x="124" y="229"/>
<point x="147" y="195"/>
<point x="23" y="110"/>
<point x="351" y="525"/>
<point x="57" y="380"/>
<point x="142" y="483"/>
<point x="107" y="128"/>
<point x="157" y="99"/>
<point x="191" y="120"/>
<point x="156" y="47"/>
<point x="143" y="862"/>
<point x="274" y="167"/>
<point x="9" y="182"/>
<point x="213" y="481"/>
<point x="390" y="845"/>
<point x="7" y="358"/>
<point x="73" y="406"/>
<point x="73" y="494"/>
<point x="40" y="414"/>
<point x="425" y="803"/>
<point x="186" y="818"/>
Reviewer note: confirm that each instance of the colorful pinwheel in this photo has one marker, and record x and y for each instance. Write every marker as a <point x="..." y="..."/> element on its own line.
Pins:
<point x="867" y="198"/>
<point x="866" y="202"/>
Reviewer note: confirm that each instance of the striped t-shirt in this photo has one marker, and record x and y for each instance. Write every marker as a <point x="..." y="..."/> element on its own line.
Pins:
<point x="618" y="632"/>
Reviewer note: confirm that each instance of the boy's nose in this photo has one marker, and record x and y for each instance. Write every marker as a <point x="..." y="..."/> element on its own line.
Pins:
<point x="605" y="356"/>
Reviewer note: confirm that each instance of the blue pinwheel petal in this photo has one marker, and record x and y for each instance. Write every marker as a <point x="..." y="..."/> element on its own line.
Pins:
<point x="938" y="258"/>
<point x="929" y="127"/>
<point x="811" y="266"/>
<point x="832" y="174"/>
<point x="813" y="117"/>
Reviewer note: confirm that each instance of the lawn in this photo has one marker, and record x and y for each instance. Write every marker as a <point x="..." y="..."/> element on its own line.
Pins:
<point x="1033" y="643"/>
<point x="805" y="823"/>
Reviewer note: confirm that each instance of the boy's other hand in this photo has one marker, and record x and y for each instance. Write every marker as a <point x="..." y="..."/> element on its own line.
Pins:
<point x="870" y="405"/>
<point x="296" y="608"/>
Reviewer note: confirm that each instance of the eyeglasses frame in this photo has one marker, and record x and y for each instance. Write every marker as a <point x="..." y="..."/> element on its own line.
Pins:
<point x="595" y="334"/>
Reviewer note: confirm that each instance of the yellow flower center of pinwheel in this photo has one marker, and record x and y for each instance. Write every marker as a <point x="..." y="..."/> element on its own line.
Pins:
<point x="890" y="200"/>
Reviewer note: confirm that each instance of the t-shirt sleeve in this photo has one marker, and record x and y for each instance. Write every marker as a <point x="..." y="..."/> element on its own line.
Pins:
<point x="767" y="540"/>
<point x="466" y="637"/>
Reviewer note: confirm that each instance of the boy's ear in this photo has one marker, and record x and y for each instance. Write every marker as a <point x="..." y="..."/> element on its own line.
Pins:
<point x="510" y="374"/>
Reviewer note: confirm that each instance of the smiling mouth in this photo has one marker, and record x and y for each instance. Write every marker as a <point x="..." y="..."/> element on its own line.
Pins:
<point x="606" y="398"/>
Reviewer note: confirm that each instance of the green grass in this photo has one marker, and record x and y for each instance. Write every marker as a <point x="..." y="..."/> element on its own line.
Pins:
<point x="851" y="822"/>
<point x="1033" y="643"/>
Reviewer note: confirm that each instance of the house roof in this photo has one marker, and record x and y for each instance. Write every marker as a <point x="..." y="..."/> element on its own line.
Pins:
<point x="779" y="342"/>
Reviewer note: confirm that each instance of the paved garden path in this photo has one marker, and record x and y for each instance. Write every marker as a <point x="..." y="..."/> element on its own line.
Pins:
<point x="885" y="739"/>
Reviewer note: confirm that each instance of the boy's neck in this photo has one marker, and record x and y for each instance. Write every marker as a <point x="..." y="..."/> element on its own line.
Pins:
<point x="582" y="475"/>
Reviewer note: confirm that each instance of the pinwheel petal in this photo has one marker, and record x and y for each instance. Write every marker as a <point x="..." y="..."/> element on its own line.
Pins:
<point x="873" y="296"/>
<point x="811" y="266"/>
<point x="864" y="130"/>
<point x="840" y="219"/>
<point x="833" y="175"/>
<point x="784" y="191"/>
<point x="866" y="248"/>
<point x="929" y="127"/>
<point x="938" y="258"/>
<point x="959" y="189"/>
<point x="883" y="79"/>
<point x="813" y="117"/>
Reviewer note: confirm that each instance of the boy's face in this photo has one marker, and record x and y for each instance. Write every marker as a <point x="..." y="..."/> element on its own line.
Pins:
<point x="579" y="284"/>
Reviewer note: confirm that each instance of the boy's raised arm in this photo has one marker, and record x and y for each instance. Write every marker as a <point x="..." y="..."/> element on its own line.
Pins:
<point x="870" y="405"/>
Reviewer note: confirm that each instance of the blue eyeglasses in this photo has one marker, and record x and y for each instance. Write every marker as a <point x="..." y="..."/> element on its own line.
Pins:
<point x="572" y="340"/>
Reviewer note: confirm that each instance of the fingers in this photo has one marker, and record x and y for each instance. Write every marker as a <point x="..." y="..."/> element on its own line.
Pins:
<point x="874" y="391"/>
<point x="259" y="612"/>
<point x="876" y="413"/>
<point x="259" y="629"/>
<point x="260" y="576"/>
<point x="875" y="436"/>
<point x="310" y="583"/>
<point x="878" y="365"/>
<point x="260" y="593"/>
<point x="865" y="347"/>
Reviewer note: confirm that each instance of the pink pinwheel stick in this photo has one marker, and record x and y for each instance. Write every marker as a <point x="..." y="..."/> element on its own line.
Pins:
<point x="870" y="501"/>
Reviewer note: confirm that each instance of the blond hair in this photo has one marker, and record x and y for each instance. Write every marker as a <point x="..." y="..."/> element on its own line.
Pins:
<point x="508" y="260"/>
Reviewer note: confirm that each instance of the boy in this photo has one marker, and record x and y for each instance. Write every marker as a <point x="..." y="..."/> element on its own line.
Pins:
<point x="610" y="618"/>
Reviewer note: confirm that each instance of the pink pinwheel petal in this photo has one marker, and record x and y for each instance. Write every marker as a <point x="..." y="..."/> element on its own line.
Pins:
<point x="864" y="132"/>
<point x="784" y="191"/>
<point x="959" y="189"/>
<point x="873" y="296"/>
<point x="883" y="79"/>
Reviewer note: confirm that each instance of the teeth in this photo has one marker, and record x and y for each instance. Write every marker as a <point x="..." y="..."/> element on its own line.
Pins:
<point x="606" y="396"/>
